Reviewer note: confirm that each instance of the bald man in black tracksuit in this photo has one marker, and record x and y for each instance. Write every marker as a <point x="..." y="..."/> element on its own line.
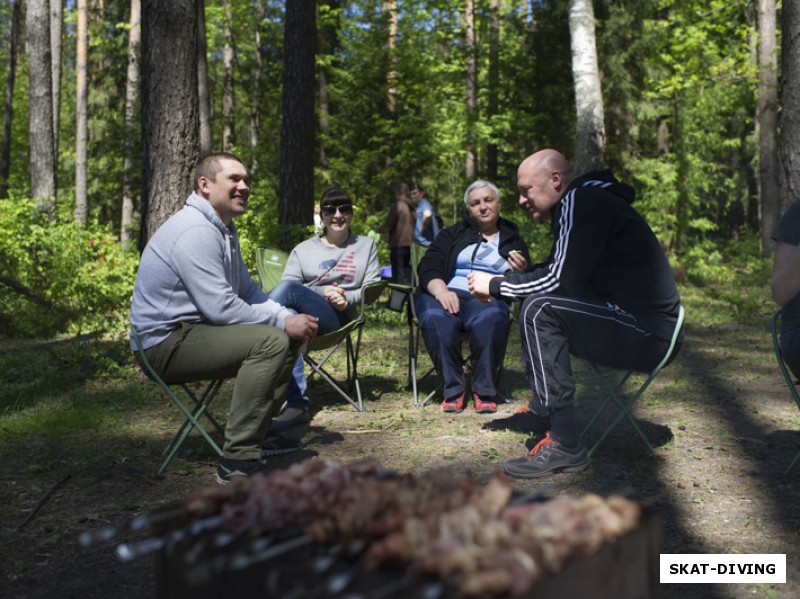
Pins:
<point x="605" y="294"/>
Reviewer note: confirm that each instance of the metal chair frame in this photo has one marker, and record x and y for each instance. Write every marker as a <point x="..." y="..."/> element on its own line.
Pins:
<point x="625" y="403"/>
<point x="193" y="407"/>
<point x="787" y="376"/>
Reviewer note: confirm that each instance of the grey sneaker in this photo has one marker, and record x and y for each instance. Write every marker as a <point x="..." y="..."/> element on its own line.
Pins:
<point x="547" y="457"/>
<point x="229" y="469"/>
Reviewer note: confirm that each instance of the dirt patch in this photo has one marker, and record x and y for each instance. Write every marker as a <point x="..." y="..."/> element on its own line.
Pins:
<point x="720" y="417"/>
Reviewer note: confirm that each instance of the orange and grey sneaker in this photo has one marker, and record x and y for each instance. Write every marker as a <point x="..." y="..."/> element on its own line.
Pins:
<point x="454" y="405"/>
<point x="484" y="406"/>
<point x="548" y="456"/>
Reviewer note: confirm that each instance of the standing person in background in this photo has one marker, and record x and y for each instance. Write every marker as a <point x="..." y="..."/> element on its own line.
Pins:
<point x="786" y="284"/>
<point x="199" y="315"/>
<point x="426" y="228"/>
<point x="399" y="225"/>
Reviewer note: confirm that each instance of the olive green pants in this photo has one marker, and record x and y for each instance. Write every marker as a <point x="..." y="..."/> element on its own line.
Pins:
<point x="259" y="356"/>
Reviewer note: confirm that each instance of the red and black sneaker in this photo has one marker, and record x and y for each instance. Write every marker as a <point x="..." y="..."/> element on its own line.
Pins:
<point x="484" y="406"/>
<point x="454" y="405"/>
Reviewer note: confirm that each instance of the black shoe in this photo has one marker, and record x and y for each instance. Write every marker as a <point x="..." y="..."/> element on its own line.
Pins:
<point x="547" y="457"/>
<point x="521" y="421"/>
<point x="229" y="469"/>
<point x="276" y="445"/>
<point x="278" y="425"/>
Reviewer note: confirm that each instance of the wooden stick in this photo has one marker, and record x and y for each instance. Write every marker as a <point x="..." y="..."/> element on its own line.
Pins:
<point x="43" y="500"/>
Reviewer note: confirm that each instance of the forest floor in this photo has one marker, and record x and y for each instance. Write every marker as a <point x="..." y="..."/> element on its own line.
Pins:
<point x="720" y="416"/>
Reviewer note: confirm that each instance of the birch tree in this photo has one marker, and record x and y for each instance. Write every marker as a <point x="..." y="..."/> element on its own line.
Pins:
<point x="56" y="42"/>
<point x="42" y="164"/>
<point x="204" y="98"/>
<point x="590" y="134"/>
<point x="131" y="99"/>
<point x="228" y="104"/>
<point x="767" y="124"/>
<point x="472" y="91"/>
<point x="81" y="112"/>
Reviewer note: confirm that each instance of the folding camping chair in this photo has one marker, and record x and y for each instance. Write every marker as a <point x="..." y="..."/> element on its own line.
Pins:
<point x="625" y="402"/>
<point x="271" y="263"/>
<point x="414" y="381"/>
<point x="787" y="376"/>
<point x="193" y="410"/>
<point x="344" y="336"/>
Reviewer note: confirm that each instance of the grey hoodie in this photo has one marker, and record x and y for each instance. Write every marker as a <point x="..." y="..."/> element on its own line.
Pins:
<point x="192" y="271"/>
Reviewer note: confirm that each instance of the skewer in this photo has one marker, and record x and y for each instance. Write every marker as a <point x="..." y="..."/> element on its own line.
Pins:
<point x="130" y="551"/>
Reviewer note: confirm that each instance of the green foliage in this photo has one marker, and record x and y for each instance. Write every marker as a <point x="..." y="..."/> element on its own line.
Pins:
<point x="80" y="273"/>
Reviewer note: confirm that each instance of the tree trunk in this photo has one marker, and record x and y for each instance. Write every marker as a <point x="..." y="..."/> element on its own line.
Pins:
<point x="297" y="129"/>
<point x="169" y="109"/>
<point x="8" y="113"/>
<point x="390" y="8"/>
<point x="81" y="112"/>
<point x="328" y="46"/>
<point x="790" y="102"/>
<point x="56" y="42"/>
<point x="472" y="91"/>
<point x="42" y="169"/>
<point x="204" y="99"/>
<point x="590" y="134"/>
<point x="228" y="105"/>
<point x="494" y="84"/>
<point x="767" y="119"/>
<point x="131" y="96"/>
<point x="258" y="90"/>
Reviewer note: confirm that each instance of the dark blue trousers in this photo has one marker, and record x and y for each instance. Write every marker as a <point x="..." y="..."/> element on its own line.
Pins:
<point x="487" y="327"/>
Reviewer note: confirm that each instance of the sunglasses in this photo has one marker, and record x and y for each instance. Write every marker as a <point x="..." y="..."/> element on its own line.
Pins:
<point x="344" y="209"/>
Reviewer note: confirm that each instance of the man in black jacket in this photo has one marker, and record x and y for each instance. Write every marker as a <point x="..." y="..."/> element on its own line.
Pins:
<point x="605" y="294"/>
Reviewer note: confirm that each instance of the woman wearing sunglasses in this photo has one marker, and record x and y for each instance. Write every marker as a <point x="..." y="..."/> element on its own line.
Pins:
<point x="323" y="277"/>
<point x="481" y="241"/>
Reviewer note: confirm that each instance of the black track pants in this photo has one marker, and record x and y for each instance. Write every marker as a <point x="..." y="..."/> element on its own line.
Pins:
<point x="553" y="327"/>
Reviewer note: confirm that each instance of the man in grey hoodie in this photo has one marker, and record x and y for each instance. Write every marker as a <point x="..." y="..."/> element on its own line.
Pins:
<point x="199" y="315"/>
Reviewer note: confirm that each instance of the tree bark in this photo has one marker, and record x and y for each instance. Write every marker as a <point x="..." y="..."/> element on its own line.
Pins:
<point x="590" y="134"/>
<point x="328" y="44"/>
<point x="390" y="8"/>
<point x="790" y="102"/>
<point x="206" y="142"/>
<point x="472" y="91"/>
<point x="56" y="43"/>
<point x="228" y="104"/>
<point x="81" y="112"/>
<point x="8" y="112"/>
<point x="42" y="166"/>
<point x="767" y="124"/>
<point x="258" y="90"/>
<point x="297" y="130"/>
<point x="131" y="97"/>
<point x="494" y="84"/>
<point x="169" y="109"/>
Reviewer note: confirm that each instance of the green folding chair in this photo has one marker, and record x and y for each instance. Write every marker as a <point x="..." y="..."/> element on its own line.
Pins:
<point x="271" y="264"/>
<point x="787" y="376"/>
<point x="349" y="388"/>
<point x="625" y="402"/>
<point x="193" y="407"/>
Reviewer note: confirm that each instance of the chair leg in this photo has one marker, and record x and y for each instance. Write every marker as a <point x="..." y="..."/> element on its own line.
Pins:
<point x="625" y="407"/>
<point x="192" y="421"/>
